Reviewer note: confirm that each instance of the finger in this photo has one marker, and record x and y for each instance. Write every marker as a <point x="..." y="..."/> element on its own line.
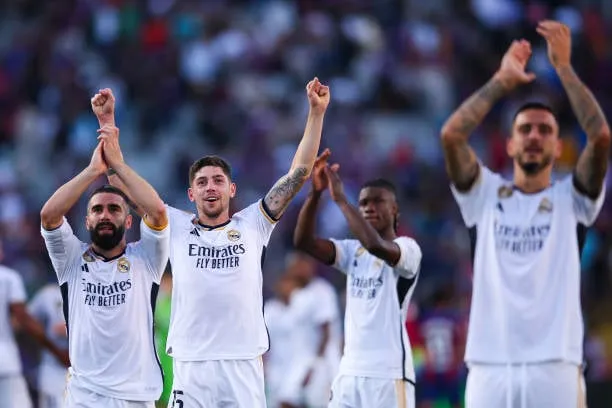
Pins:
<point x="543" y="32"/>
<point x="529" y="77"/>
<point x="335" y="167"/>
<point x="309" y="85"/>
<point x="323" y="90"/>
<point x="326" y="153"/>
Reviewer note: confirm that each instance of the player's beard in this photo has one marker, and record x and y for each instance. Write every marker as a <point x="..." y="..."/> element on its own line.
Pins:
<point x="531" y="168"/>
<point x="107" y="241"/>
<point x="213" y="213"/>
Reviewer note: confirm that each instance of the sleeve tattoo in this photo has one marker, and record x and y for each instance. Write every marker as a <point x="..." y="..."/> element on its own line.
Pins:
<point x="593" y="161"/>
<point x="280" y="195"/>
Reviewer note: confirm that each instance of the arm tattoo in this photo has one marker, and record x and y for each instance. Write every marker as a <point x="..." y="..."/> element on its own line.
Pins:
<point x="593" y="162"/>
<point x="461" y="162"/>
<point x="281" y="194"/>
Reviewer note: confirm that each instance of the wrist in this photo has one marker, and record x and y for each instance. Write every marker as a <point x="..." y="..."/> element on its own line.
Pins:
<point x="507" y="84"/>
<point x="106" y="120"/>
<point x="316" y="113"/>
<point x="563" y="67"/>
<point x="110" y="172"/>
<point x="315" y="193"/>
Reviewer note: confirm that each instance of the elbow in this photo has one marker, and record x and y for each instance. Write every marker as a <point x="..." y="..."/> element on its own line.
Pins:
<point x="158" y="215"/>
<point x="603" y="138"/>
<point x="449" y="136"/>
<point x="48" y="219"/>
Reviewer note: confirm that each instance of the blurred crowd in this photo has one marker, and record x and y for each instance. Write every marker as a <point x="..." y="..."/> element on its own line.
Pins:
<point x="195" y="77"/>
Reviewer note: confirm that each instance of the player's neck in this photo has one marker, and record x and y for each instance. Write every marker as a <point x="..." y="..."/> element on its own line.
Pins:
<point x="110" y="253"/>
<point x="210" y="222"/>
<point x="534" y="183"/>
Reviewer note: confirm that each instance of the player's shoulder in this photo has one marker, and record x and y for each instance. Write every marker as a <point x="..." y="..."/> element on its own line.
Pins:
<point x="178" y="215"/>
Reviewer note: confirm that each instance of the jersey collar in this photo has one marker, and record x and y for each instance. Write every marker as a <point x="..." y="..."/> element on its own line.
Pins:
<point x="212" y="227"/>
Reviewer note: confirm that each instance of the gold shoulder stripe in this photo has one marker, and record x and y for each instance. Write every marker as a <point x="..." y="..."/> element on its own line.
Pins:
<point x="265" y="213"/>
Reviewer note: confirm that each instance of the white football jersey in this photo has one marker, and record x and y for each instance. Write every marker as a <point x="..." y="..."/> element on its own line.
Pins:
<point x="47" y="308"/>
<point x="109" y="308"/>
<point x="310" y="307"/>
<point x="11" y="291"/>
<point x="280" y="326"/>
<point x="526" y="285"/>
<point x="377" y="297"/>
<point x="217" y="303"/>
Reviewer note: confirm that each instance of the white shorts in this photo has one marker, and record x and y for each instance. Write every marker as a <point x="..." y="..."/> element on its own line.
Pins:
<point x="558" y="385"/>
<point x="316" y="393"/>
<point x="210" y="384"/>
<point x="77" y="397"/>
<point x="365" y="392"/>
<point x="14" y="392"/>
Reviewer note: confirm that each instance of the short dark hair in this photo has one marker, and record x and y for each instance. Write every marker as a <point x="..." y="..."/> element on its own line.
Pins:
<point x="107" y="188"/>
<point x="381" y="183"/>
<point x="536" y="106"/>
<point x="214" y="161"/>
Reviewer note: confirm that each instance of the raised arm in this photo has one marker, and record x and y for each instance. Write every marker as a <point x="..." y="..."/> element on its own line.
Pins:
<point x="461" y="161"/>
<point x="371" y="240"/>
<point x="304" y="235"/>
<point x="143" y="196"/>
<point x="280" y="195"/>
<point x="593" y="161"/>
<point x="66" y="196"/>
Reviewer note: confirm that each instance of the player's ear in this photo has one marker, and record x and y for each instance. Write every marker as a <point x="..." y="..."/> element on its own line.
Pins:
<point x="190" y="194"/>
<point x="128" y="221"/>
<point x="510" y="147"/>
<point x="87" y="223"/>
<point x="232" y="190"/>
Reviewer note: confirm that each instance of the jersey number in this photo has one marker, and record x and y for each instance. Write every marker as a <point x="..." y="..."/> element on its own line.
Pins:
<point x="177" y="402"/>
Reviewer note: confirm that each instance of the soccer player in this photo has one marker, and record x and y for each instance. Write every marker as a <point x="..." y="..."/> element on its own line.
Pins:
<point x="217" y="332"/>
<point x="13" y="388"/>
<point x="47" y="308"/>
<point x="376" y="370"/>
<point x="524" y="342"/>
<point x="280" y="327"/>
<point x="315" y="337"/>
<point x="109" y="286"/>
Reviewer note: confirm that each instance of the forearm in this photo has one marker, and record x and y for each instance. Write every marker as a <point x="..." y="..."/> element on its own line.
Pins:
<point x="65" y="198"/>
<point x="593" y="161"/>
<point x="585" y="106"/>
<point x="142" y="194"/>
<point x="306" y="152"/>
<point x="304" y="234"/>
<point x="359" y="227"/>
<point x="114" y="180"/>
<point x="473" y="111"/>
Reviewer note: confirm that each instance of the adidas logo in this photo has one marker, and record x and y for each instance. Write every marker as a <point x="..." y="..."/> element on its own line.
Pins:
<point x="195" y="232"/>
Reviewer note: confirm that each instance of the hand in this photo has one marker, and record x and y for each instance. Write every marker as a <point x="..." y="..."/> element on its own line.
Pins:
<point x="98" y="164"/>
<point x="59" y="329"/>
<point x="109" y="136"/>
<point x="559" y="40"/>
<point x="512" y="73"/>
<point x="103" y="106"/>
<point x="336" y="188"/>
<point x="318" y="96"/>
<point x="319" y="179"/>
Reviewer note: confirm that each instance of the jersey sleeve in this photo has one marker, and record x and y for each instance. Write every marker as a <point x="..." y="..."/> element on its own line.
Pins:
<point x="258" y="216"/>
<point x="17" y="293"/>
<point x="472" y="202"/>
<point x="585" y="208"/>
<point x="62" y="246"/>
<point x="410" y="257"/>
<point x="155" y="245"/>
<point x="345" y="250"/>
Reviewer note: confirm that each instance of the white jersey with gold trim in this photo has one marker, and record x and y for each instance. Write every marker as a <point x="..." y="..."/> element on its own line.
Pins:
<point x="11" y="291"/>
<point x="526" y="285"/>
<point x="217" y="303"/>
<point x="108" y="305"/>
<point x="377" y="296"/>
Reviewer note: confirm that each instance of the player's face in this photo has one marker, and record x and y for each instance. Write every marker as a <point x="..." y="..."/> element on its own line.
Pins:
<point x="378" y="206"/>
<point x="211" y="190"/>
<point x="535" y="140"/>
<point x="107" y="219"/>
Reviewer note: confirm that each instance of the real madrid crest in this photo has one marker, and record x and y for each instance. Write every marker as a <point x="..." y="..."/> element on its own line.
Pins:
<point x="505" y="191"/>
<point x="123" y="265"/>
<point x="233" y="235"/>
<point x="87" y="256"/>
<point x="545" y="205"/>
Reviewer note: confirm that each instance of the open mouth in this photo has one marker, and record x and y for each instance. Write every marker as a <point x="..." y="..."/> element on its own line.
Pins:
<point x="211" y="199"/>
<point x="105" y="228"/>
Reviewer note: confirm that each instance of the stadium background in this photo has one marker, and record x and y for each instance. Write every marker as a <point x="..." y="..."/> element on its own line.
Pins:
<point x="227" y="77"/>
